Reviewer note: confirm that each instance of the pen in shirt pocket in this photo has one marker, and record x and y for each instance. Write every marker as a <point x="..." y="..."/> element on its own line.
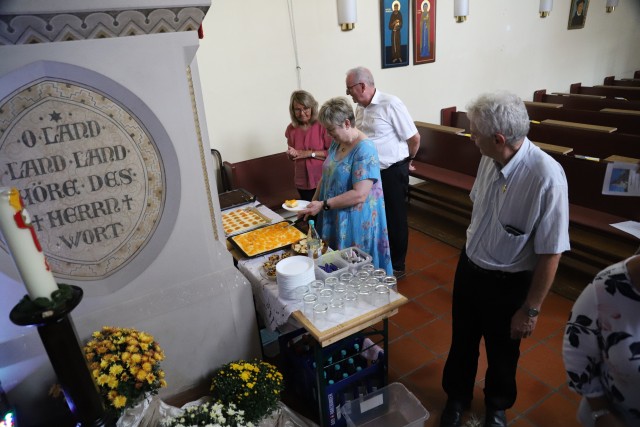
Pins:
<point x="513" y="231"/>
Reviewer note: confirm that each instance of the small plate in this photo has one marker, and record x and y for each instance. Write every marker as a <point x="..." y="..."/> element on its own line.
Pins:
<point x="302" y="204"/>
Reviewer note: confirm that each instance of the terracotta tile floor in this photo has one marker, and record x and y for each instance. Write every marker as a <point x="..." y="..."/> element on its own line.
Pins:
<point x="420" y="334"/>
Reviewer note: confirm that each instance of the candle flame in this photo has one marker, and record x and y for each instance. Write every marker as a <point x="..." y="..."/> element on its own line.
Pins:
<point x="14" y="199"/>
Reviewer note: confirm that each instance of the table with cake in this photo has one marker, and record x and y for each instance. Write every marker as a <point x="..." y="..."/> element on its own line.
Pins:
<point x="271" y="253"/>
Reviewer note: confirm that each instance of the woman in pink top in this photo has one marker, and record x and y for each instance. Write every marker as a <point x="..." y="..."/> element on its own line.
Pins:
<point x="308" y="142"/>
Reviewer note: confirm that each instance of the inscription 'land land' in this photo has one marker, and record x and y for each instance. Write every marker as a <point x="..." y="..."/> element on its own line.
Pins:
<point x="88" y="173"/>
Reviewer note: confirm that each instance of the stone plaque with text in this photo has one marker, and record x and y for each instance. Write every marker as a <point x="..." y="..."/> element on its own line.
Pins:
<point x="88" y="171"/>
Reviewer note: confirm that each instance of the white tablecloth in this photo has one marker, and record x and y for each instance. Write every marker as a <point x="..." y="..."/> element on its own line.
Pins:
<point x="274" y="311"/>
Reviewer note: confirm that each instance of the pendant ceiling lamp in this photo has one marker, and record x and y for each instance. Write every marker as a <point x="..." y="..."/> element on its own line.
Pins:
<point x="611" y="5"/>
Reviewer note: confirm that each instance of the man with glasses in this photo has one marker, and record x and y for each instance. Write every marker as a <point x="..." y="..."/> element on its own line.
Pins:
<point x="386" y="121"/>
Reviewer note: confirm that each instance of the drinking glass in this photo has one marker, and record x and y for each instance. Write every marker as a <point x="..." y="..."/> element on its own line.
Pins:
<point x="339" y="290"/>
<point x="372" y="281"/>
<point x="345" y="277"/>
<point x="379" y="273"/>
<point x="364" y="294"/>
<point x="299" y="292"/>
<point x="350" y="300"/>
<point x="336" y="309"/>
<point x="381" y="296"/>
<point x="320" y="312"/>
<point x="362" y="275"/>
<point x="316" y="286"/>
<point x="325" y="295"/>
<point x="330" y="282"/>
<point x="308" y="301"/>
<point x="368" y="268"/>
<point x="391" y="282"/>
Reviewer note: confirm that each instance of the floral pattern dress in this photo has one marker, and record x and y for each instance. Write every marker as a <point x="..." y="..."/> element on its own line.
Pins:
<point x="363" y="225"/>
<point x="602" y="343"/>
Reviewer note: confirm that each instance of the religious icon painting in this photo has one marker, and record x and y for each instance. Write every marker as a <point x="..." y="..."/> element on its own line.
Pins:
<point x="394" y="28"/>
<point x="424" y="31"/>
<point x="577" y="14"/>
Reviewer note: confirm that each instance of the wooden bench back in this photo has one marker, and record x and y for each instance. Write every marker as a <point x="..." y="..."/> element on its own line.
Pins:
<point x="447" y="150"/>
<point x="585" y="103"/>
<point x="585" y="179"/>
<point x="626" y="92"/>
<point x="269" y="178"/>
<point x="595" y="144"/>
<point x="625" y="123"/>
<point x="612" y="81"/>
<point x="584" y="142"/>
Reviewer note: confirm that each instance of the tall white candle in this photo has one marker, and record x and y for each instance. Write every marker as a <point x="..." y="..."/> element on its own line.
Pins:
<point x="20" y="236"/>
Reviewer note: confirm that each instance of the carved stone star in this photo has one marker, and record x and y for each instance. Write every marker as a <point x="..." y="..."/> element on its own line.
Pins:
<point x="55" y="117"/>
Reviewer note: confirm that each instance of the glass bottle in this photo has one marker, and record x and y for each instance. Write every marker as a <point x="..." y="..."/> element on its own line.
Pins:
<point x="314" y="243"/>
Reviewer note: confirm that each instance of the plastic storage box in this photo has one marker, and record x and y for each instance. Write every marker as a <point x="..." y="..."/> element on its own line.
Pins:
<point x="390" y="406"/>
<point x="334" y="258"/>
<point x="355" y="266"/>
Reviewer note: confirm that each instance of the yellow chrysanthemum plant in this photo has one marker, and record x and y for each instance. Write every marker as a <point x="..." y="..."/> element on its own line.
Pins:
<point x="125" y="364"/>
<point x="254" y="387"/>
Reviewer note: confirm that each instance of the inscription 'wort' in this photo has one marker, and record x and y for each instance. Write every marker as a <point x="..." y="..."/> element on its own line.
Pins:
<point x="89" y="174"/>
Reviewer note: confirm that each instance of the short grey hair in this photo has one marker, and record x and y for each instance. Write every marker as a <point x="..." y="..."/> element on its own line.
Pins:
<point x="304" y="98"/>
<point x="500" y="112"/>
<point x="335" y="111"/>
<point x="362" y="75"/>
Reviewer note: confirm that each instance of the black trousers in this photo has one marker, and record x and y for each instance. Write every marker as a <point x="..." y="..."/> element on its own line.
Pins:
<point x="483" y="304"/>
<point x="306" y="194"/>
<point x="395" y="186"/>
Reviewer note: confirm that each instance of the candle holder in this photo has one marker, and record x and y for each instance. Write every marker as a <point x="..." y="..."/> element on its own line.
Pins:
<point x="60" y="340"/>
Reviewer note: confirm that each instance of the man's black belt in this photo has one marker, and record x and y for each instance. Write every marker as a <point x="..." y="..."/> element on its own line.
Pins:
<point x="400" y="163"/>
<point x="493" y="273"/>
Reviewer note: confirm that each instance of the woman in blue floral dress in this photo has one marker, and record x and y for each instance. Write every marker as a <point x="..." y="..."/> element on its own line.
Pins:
<point x="350" y="191"/>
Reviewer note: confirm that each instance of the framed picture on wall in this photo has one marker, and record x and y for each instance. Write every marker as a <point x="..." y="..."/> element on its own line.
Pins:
<point x="578" y="14"/>
<point x="394" y="28"/>
<point x="424" y="31"/>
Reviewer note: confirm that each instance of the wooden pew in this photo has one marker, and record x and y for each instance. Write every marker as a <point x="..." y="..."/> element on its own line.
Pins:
<point x="587" y="143"/>
<point x="448" y="163"/>
<point x="593" y="144"/>
<point x="584" y="102"/>
<point x="612" y="81"/>
<point x="625" y="121"/>
<point x="629" y="93"/>
<point x="269" y="178"/>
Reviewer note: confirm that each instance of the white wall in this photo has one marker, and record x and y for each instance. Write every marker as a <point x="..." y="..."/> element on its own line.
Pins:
<point x="248" y="64"/>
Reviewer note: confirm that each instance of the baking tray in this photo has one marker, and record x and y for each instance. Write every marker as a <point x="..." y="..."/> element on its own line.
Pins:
<point x="234" y="198"/>
<point x="265" y="220"/>
<point x="250" y="237"/>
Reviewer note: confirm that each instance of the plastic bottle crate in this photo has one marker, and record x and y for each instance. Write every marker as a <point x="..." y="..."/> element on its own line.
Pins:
<point x="300" y="375"/>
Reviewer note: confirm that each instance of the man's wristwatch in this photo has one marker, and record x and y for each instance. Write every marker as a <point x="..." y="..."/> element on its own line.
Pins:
<point x="313" y="154"/>
<point x="325" y="205"/>
<point x="599" y="413"/>
<point x="532" y="312"/>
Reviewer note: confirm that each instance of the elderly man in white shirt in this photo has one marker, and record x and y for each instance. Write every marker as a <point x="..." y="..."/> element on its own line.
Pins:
<point x="519" y="229"/>
<point x="386" y="121"/>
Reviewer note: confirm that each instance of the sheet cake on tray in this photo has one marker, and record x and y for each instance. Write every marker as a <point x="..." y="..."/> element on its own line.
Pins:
<point x="266" y="239"/>
<point x="244" y="219"/>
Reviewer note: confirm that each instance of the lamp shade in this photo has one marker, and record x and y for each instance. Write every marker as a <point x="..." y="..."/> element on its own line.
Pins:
<point x="347" y="14"/>
<point x="545" y="8"/>
<point x="611" y="5"/>
<point x="460" y="10"/>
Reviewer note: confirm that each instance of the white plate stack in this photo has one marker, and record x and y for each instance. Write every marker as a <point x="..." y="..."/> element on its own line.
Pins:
<point x="293" y="272"/>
